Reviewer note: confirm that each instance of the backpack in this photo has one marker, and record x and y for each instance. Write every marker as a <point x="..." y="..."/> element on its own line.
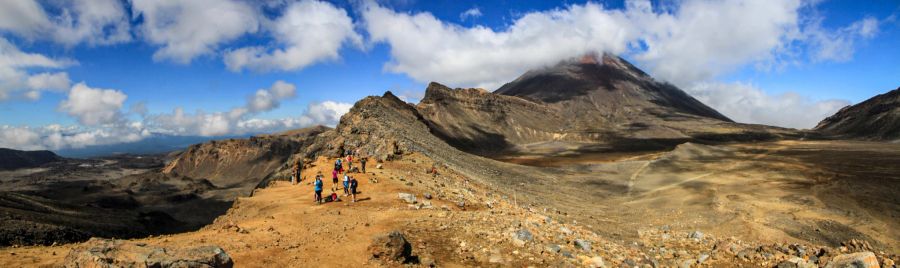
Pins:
<point x="334" y="197"/>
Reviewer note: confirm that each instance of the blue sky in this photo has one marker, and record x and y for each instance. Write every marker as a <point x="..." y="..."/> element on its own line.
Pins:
<point x="236" y="67"/>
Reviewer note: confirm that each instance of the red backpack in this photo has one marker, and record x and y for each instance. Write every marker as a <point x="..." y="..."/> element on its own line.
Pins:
<point x="334" y="197"/>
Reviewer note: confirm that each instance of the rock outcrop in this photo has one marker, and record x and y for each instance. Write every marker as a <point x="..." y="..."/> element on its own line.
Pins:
<point x="241" y="163"/>
<point x="118" y="253"/>
<point x="877" y="118"/>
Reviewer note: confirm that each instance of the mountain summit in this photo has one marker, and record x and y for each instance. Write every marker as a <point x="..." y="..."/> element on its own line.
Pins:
<point x="609" y="84"/>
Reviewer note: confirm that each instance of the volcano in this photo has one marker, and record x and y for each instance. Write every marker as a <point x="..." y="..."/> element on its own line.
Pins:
<point x="592" y="101"/>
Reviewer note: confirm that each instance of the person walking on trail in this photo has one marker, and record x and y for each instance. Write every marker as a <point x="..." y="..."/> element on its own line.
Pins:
<point x="349" y="163"/>
<point x="346" y="182"/>
<point x="362" y="163"/>
<point x="353" y="185"/>
<point x="334" y="180"/>
<point x="318" y="188"/>
<point x="338" y="166"/>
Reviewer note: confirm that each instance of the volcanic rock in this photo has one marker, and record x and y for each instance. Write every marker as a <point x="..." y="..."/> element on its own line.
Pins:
<point x="391" y="247"/>
<point x="118" y="253"/>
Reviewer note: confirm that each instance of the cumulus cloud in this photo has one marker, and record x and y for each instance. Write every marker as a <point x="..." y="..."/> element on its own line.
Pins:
<point x="188" y="29"/>
<point x="238" y="120"/>
<point x="24" y="18"/>
<point x="94" y="106"/>
<point x="743" y="102"/>
<point x="428" y="49"/>
<point x="268" y="99"/>
<point x="703" y="39"/>
<point x="46" y="81"/>
<point x="15" y="66"/>
<point x="54" y="137"/>
<point x="838" y="45"/>
<point x="318" y="113"/>
<point x="227" y="123"/>
<point x="95" y="22"/>
<point x="309" y="31"/>
<point x="470" y="14"/>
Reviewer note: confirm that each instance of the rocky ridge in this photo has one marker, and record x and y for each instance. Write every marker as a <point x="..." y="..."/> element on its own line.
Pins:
<point x="877" y="118"/>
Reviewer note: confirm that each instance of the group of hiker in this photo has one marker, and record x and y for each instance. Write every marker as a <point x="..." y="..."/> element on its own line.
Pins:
<point x="349" y="183"/>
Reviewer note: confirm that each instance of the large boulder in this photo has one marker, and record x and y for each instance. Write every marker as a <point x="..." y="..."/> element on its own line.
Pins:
<point x="391" y="247"/>
<point x="118" y="253"/>
<point x="854" y="260"/>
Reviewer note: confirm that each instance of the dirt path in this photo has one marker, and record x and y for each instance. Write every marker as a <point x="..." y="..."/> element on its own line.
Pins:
<point x="280" y="226"/>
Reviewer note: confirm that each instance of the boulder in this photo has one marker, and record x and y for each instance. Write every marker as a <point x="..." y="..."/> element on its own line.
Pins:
<point x="118" y="253"/>
<point x="596" y="262"/>
<point x="696" y="235"/>
<point x="391" y="247"/>
<point x="796" y="262"/>
<point x="408" y="198"/>
<point x="854" y="260"/>
<point x="554" y="248"/>
<point x="522" y="237"/>
<point x="583" y="244"/>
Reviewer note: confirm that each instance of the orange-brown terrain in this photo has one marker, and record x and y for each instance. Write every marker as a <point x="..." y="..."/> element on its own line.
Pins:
<point x="622" y="171"/>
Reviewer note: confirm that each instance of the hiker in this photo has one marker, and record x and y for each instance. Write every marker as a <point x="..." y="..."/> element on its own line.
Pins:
<point x="294" y="175"/>
<point x="338" y="166"/>
<point x="346" y="182"/>
<point x="362" y="162"/>
<point x="353" y="185"/>
<point x="349" y="162"/>
<point x="318" y="188"/>
<point x="334" y="180"/>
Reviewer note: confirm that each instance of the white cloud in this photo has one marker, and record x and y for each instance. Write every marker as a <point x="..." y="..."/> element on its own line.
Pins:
<point x="95" y="22"/>
<point x="94" y="106"/>
<point x="188" y="29"/>
<point x="53" y="137"/>
<point x="47" y="81"/>
<point x="703" y="39"/>
<point x="428" y="49"/>
<point x="19" y="138"/>
<point x="326" y="113"/>
<point x="268" y="99"/>
<point x="14" y="72"/>
<point x="838" y="45"/>
<point x="237" y="121"/>
<point x="746" y="103"/>
<point x="309" y="31"/>
<point x="24" y="18"/>
<point x="230" y="123"/>
<point x="470" y="14"/>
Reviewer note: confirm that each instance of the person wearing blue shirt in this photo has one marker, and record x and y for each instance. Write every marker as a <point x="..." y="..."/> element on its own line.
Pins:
<point x="318" y="185"/>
